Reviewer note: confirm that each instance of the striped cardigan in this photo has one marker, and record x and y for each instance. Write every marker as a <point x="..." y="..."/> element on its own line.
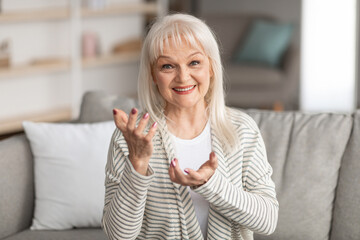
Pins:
<point x="241" y="193"/>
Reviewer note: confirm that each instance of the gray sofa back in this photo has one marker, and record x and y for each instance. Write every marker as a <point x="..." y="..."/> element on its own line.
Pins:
<point x="346" y="219"/>
<point x="305" y="151"/>
<point x="16" y="185"/>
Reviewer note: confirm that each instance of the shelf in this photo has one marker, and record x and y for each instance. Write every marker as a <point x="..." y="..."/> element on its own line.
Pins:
<point x="126" y="57"/>
<point x="64" y="65"/>
<point x="64" y="13"/>
<point x="33" y="69"/>
<point x="126" y="8"/>
<point x="15" y="124"/>
<point x="35" y="15"/>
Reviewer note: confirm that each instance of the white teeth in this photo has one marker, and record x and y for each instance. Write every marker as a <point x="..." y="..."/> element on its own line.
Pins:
<point x="184" y="89"/>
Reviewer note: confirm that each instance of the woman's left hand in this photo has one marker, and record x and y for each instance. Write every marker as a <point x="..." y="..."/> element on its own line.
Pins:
<point x="193" y="178"/>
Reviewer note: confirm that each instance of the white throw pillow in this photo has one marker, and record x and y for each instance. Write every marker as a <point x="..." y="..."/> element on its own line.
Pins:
<point x="69" y="169"/>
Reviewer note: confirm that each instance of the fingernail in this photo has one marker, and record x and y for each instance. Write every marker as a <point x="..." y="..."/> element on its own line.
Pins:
<point x="173" y="162"/>
<point x="154" y="124"/>
<point x="187" y="171"/>
<point x="133" y="111"/>
<point x="146" y="115"/>
<point x="114" y="111"/>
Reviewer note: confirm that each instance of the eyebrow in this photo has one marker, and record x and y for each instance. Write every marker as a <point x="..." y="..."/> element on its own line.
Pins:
<point x="164" y="56"/>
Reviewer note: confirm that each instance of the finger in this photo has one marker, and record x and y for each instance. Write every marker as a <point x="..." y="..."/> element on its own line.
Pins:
<point x="140" y="128"/>
<point x="195" y="176"/>
<point x="151" y="132"/>
<point x="179" y="175"/>
<point x="132" y="119"/>
<point x="213" y="160"/>
<point x="120" y="119"/>
<point x="171" y="172"/>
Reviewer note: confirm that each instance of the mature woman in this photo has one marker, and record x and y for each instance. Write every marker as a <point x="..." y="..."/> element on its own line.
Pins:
<point x="187" y="167"/>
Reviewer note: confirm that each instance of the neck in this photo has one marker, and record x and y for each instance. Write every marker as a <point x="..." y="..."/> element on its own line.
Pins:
<point x="187" y="123"/>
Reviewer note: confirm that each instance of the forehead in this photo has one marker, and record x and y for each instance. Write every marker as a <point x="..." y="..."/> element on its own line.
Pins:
<point x="180" y="48"/>
<point x="181" y="45"/>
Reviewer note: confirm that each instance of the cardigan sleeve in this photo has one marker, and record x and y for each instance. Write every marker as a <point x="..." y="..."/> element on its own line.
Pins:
<point x="254" y="205"/>
<point x="125" y="192"/>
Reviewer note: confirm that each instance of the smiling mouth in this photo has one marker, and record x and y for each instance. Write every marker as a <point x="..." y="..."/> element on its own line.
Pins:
<point x="184" y="89"/>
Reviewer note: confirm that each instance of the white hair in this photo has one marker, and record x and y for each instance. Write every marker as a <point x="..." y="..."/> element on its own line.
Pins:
<point x="173" y="28"/>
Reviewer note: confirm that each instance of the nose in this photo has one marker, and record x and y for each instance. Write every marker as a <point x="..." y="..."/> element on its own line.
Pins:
<point x="183" y="74"/>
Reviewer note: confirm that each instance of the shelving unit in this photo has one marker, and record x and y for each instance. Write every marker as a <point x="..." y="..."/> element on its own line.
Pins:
<point x="74" y="64"/>
<point x="128" y="8"/>
<point x="62" y="14"/>
<point x="65" y="13"/>
<point x="14" y="124"/>
<point x="35" y="15"/>
<point x="34" y="69"/>
<point x="111" y="59"/>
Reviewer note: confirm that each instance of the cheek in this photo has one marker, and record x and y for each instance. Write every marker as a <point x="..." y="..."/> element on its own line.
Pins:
<point x="204" y="76"/>
<point x="162" y="81"/>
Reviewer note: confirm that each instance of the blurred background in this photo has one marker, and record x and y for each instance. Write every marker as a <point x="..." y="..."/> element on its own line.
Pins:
<point x="280" y="55"/>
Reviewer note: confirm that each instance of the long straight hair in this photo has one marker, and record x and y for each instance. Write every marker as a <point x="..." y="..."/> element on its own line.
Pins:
<point x="197" y="34"/>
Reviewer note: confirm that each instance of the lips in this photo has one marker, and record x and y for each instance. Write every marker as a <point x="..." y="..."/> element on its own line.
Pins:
<point x="184" y="89"/>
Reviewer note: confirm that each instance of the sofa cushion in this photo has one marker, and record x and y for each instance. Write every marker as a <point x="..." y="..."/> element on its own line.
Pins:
<point x="16" y="185"/>
<point x="265" y="43"/>
<point x="69" y="167"/>
<point x="305" y="151"/>
<point x="347" y="208"/>
<point x="97" y="106"/>
<point x="230" y="37"/>
<point x="81" y="234"/>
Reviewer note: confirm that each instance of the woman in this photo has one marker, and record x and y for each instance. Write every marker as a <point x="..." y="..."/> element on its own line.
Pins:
<point x="187" y="167"/>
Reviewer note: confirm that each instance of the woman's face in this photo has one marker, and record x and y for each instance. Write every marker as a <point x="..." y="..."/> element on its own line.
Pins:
<point x="182" y="75"/>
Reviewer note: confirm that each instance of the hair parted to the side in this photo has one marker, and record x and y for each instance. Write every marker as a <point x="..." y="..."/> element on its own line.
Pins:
<point x="173" y="28"/>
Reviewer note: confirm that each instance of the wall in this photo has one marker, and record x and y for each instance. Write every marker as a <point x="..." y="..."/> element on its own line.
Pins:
<point x="328" y="56"/>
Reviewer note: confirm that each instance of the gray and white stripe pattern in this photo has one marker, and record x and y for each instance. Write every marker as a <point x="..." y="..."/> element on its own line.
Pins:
<point x="241" y="193"/>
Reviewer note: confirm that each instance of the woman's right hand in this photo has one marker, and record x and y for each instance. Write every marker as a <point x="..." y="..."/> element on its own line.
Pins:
<point x="139" y="144"/>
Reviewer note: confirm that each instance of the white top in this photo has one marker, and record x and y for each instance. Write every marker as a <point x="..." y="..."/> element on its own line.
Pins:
<point x="192" y="154"/>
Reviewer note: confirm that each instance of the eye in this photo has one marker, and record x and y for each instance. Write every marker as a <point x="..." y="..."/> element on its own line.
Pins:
<point x="166" y="66"/>
<point x="194" y="63"/>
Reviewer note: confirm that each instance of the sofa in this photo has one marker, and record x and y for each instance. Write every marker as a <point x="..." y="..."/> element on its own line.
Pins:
<point x="252" y="85"/>
<point x="315" y="160"/>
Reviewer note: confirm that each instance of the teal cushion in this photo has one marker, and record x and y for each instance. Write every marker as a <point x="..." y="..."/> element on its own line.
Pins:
<point x="265" y="43"/>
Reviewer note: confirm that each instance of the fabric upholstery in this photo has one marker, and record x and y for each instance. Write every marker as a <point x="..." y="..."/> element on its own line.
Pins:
<point x="265" y="43"/>
<point x="69" y="181"/>
<point x="249" y="75"/>
<point x="97" y="106"/>
<point x="74" y="234"/>
<point x="16" y="185"/>
<point x="305" y="151"/>
<point x="347" y="208"/>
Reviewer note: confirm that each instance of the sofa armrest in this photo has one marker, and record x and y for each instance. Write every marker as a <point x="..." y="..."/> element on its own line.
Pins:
<point x="16" y="185"/>
<point x="291" y="61"/>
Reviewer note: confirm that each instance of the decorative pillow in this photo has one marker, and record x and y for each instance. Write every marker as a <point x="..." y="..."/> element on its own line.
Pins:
<point x="69" y="166"/>
<point x="265" y="43"/>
